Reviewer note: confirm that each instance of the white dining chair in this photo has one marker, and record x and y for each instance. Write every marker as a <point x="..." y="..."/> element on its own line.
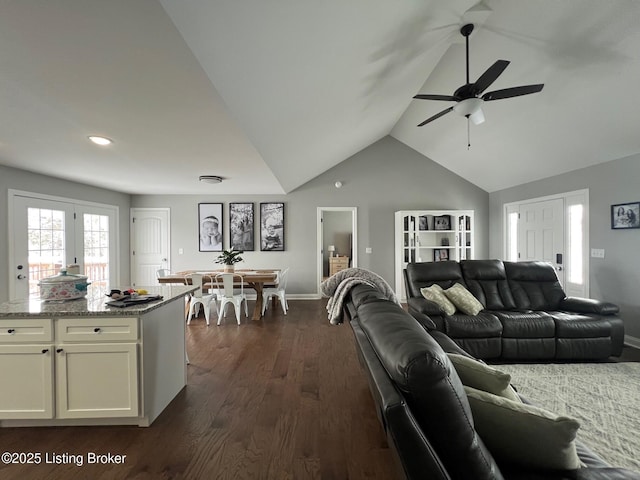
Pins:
<point x="278" y="291"/>
<point x="163" y="272"/>
<point x="199" y="297"/>
<point x="228" y="294"/>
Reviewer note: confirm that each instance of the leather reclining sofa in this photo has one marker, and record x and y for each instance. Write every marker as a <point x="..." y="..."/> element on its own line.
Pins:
<point x="526" y="315"/>
<point x="423" y="407"/>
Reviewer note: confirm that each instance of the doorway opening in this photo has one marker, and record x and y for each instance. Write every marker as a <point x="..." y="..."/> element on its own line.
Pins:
<point x="337" y="240"/>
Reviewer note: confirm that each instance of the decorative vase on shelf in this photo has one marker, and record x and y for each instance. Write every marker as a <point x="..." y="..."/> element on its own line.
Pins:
<point x="229" y="268"/>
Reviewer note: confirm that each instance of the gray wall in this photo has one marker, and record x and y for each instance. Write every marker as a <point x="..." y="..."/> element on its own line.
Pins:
<point x="11" y="178"/>
<point x="385" y="177"/>
<point x="616" y="277"/>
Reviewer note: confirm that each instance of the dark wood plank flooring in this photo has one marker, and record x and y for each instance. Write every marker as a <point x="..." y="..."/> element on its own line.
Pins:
<point x="284" y="398"/>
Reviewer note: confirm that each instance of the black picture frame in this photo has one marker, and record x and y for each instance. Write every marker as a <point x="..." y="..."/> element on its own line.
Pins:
<point x="210" y="227"/>
<point x="272" y="227"/>
<point x="625" y="216"/>
<point x="440" y="254"/>
<point x="241" y="226"/>
<point x="442" y="222"/>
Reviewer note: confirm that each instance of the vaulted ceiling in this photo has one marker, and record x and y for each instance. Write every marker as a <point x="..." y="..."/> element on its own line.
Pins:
<point x="270" y="94"/>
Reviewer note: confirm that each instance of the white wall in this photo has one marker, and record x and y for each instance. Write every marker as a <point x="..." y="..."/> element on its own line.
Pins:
<point x="615" y="278"/>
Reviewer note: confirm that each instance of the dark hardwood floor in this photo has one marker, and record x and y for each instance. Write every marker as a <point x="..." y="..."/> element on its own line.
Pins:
<point x="283" y="398"/>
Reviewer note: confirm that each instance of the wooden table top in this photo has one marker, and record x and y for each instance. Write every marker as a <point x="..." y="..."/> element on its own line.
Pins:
<point x="249" y="275"/>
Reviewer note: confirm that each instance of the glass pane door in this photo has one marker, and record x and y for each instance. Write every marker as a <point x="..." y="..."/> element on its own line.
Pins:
<point x="46" y="252"/>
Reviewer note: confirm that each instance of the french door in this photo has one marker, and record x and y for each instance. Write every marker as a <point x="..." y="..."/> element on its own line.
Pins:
<point x="48" y="234"/>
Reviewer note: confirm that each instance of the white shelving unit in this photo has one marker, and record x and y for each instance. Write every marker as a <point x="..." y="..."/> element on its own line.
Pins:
<point x="431" y="236"/>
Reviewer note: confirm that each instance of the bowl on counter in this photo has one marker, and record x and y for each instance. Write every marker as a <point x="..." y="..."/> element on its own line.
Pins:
<point x="64" y="286"/>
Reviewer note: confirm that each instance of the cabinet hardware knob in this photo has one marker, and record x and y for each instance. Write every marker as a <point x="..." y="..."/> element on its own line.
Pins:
<point x="97" y="329"/>
<point x="11" y="330"/>
<point x="45" y="350"/>
<point x="60" y="350"/>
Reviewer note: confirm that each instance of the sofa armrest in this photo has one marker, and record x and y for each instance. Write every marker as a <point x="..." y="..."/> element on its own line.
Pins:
<point x="424" y="306"/>
<point x="588" y="305"/>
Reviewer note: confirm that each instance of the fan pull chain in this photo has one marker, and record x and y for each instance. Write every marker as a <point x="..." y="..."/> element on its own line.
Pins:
<point x="468" y="134"/>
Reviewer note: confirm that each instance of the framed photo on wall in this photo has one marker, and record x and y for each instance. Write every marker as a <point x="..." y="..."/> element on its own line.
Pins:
<point x="272" y="227"/>
<point x="625" y="215"/>
<point x="241" y="227"/>
<point x="210" y="227"/>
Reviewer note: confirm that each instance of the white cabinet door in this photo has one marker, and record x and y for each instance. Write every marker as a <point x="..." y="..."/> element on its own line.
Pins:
<point x="97" y="380"/>
<point x="26" y="381"/>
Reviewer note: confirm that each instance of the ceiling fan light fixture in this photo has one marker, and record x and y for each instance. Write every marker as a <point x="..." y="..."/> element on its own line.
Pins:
<point x="210" y="179"/>
<point x="468" y="106"/>
<point x="477" y="117"/>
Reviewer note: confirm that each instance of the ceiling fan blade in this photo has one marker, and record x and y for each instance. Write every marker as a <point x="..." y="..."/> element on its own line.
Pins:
<point x="490" y="76"/>
<point x="436" y="116"/>
<point x="446" y="98"/>
<point x="512" y="92"/>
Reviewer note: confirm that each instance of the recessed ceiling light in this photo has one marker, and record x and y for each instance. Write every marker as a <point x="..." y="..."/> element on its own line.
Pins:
<point x="210" y="179"/>
<point x="102" y="141"/>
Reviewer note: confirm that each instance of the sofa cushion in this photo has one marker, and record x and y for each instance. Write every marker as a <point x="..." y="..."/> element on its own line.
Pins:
<point x="523" y="434"/>
<point x="436" y="295"/>
<point x="432" y="388"/>
<point x="483" y="377"/>
<point x="463" y="299"/>
<point x="534" y="285"/>
<point x="526" y="324"/>
<point x="487" y="281"/>
<point x="575" y="325"/>
<point x="424" y="274"/>
<point x="483" y="325"/>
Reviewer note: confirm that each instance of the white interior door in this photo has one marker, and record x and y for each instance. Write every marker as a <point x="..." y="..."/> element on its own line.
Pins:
<point x="150" y="228"/>
<point x="541" y="233"/>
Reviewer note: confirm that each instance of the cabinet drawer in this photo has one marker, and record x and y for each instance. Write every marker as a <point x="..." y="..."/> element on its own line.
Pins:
<point x="96" y="329"/>
<point x="25" y="330"/>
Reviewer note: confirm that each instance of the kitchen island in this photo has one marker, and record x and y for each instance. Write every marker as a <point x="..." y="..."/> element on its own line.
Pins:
<point x="83" y="362"/>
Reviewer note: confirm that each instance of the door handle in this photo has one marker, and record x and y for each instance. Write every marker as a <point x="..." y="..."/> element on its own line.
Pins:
<point x="21" y="277"/>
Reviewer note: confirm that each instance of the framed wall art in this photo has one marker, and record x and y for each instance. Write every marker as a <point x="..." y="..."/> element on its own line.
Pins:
<point x="210" y="228"/>
<point x="272" y="227"/>
<point x="241" y="227"/>
<point x="625" y="215"/>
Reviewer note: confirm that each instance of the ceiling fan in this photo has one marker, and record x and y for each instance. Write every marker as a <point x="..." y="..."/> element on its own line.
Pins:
<point x="467" y="97"/>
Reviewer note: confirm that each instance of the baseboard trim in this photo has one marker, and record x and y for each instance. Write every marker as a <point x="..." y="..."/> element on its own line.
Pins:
<point x="632" y="341"/>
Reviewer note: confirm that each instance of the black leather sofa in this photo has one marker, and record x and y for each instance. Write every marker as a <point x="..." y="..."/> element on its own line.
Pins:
<point x="526" y="314"/>
<point x="422" y="405"/>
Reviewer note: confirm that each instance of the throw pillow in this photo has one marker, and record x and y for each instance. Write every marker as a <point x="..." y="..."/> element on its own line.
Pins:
<point x="483" y="377"/>
<point x="523" y="434"/>
<point x="463" y="299"/>
<point x="436" y="295"/>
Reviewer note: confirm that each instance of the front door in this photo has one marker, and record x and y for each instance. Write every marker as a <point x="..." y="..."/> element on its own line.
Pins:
<point x="541" y="233"/>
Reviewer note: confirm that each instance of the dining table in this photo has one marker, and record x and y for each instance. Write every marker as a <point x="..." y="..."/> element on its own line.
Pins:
<point x="255" y="279"/>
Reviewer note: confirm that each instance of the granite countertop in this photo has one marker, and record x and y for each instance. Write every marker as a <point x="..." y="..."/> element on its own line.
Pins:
<point x="93" y="305"/>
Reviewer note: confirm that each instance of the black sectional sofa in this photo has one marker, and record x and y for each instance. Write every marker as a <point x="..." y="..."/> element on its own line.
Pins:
<point x="526" y="315"/>
<point x="423" y="407"/>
